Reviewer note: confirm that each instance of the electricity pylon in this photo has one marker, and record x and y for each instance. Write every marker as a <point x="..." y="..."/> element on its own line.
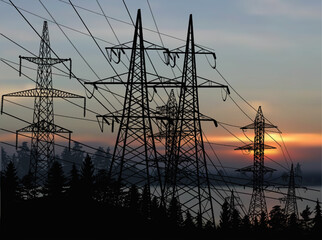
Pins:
<point x="135" y="159"/>
<point x="190" y="184"/>
<point x="257" y="203"/>
<point x="290" y="204"/>
<point x="167" y="116"/>
<point x="233" y="203"/>
<point x="43" y="128"/>
<point x="186" y="167"/>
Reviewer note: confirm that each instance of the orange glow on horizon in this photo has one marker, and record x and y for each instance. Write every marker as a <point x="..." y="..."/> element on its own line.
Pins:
<point x="290" y="139"/>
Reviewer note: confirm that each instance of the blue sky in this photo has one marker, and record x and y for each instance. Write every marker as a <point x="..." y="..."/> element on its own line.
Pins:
<point x="269" y="50"/>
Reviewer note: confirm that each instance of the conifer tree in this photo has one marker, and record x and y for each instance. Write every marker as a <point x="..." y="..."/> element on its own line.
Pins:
<point x="87" y="178"/>
<point x="199" y="221"/>
<point x="175" y="213"/>
<point x="28" y="190"/>
<point x="155" y="211"/>
<point x="102" y="188"/>
<point x="235" y="220"/>
<point x="245" y="224"/>
<point x="188" y="222"/>
<point x="23" y="158"/>
<point x="102" y="158"/>
<point x="145" y="203"/>
<point x="74" y="183"/>
<point x="10" y="189"/>
<point x="55" y="181"/>
<point x="293" y="224"/>
<point x="209" y="226"/>
<point x="277" y="218"/>
<point x="317" y="220"/>
<point x="263" y="222"/>
<point x="66" y="160"/>
<point x="224" y="222"/>
<point x="305" y="214"/>
<point x="4" y="159"/>
<point x="132" y="198"/>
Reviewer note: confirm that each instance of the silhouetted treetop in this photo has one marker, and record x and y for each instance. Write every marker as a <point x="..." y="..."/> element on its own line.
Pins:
<point x="56" y="180"/>
<point x="10" y="189"/>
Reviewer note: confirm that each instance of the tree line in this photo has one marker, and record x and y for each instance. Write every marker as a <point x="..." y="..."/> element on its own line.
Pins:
<point x="85" y="202"/>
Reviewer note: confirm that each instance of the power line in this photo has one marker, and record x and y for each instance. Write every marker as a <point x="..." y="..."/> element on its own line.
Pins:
<point x="56" y="54"/>
<point x="4" y="61"/>
<point x="62" y="25"/>
<point x="59" y="145"/>
<point x="55" y="114"/>
<point x="80" y="54"/>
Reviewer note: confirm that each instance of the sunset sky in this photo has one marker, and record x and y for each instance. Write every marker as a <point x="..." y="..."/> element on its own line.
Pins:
<point x="268" y="50"/>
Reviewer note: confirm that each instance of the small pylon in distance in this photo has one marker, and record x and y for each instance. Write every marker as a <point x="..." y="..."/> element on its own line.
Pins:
<point x="257" y="204"/>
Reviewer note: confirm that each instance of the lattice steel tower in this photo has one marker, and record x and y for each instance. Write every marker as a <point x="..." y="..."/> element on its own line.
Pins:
<point x="43" y="128"/>
<point x="167" y="114"/>
<point x="190" y="184"/>
<point x="134" y="158"/>
<point x="290" y="204"/>
<point x="257" y="203"/>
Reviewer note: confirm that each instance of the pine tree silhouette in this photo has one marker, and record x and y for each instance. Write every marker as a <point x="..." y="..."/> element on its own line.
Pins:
<point x="102" y="186"/>
<point x="293" y="224"/>
<point x="235" y="220"/>
<point x="56" y="181"/>
<point x="132" y="199"/>
<point x="4" y="160"/>
<point x="224" y="222"/>
<point x="188" y="222"/>
<point x="277" y="218"/>
<point x="87" y="179"/>
<point x="23" y="155"/>
<point x="145" y="204"/>
<point x="245" y="224"/>
<point x="10" y="187"/>
<point x="317" y="220"/>
<point x="102" y="158"/>
<point x="154" y="209"/>
<point x="199" y="221"/>
<point x="77" y="154"/>
<point x="305" y="214"/>
<point x="66" y="159"/>
<point x="175" y="213"/>
<point x="158" y="213"/>
<point x="263" y="222"/>
<point x="74" y="184"/>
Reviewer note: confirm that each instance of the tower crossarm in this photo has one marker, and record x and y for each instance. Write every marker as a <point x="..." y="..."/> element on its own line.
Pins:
<point x="250" y="147"/>
<point x="252" y="169"/>
<point x="252" y="126"/>
<point x="116" y="117"/>
<point x="43" y="127"/>
<point x="128" y="46"/>
<point x="160" y="82"/>
<point x="46" y="61"/>
<point x="43" y="92"/>
<point x="114" y="53"/>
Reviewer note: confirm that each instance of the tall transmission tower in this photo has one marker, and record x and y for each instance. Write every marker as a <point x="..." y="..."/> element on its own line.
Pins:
<point x="290" y="204"/>
<point x="43" y="128"/>
<point x="258" y="202"/>
<point x="135" y="159"/>
<point x="191" y="185"/>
